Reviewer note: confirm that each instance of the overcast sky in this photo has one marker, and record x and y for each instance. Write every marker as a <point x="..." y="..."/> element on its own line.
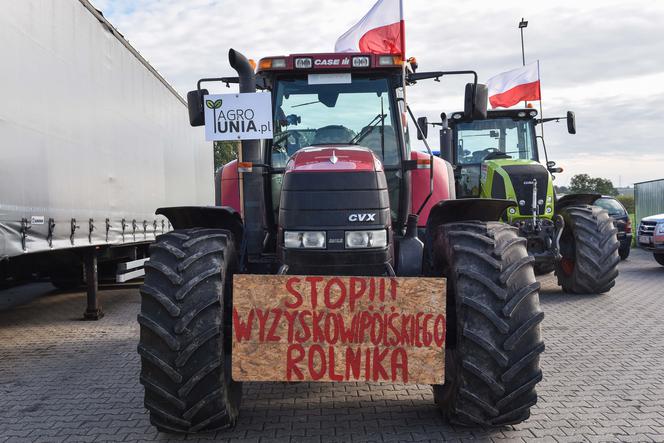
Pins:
<point x="603" y="59"/>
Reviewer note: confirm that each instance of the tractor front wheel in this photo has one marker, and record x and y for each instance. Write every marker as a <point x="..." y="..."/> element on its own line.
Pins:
<point x="184" y="343"/>
<point x="589" y="248"/>
<point x="493" y="337"/>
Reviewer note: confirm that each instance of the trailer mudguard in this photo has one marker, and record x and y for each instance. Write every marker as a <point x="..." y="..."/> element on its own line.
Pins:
<point x="576" y="200"/>
<point x="481" y="209"/>
<point x="220" y="217"/>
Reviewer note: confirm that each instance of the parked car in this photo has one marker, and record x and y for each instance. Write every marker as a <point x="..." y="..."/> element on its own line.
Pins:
<point x="651" y="236"/>
<point x="621" y="220"/>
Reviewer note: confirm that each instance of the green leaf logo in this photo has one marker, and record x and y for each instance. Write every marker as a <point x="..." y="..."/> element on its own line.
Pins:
<point x="217" y="104"/>
<point x="210" y="104"/>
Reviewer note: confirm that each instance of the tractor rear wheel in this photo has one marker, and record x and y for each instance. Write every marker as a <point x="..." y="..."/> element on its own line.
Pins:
<point x="184" y="342"/>
<point x="589" y="248"/>
<point x="493" y="316"/>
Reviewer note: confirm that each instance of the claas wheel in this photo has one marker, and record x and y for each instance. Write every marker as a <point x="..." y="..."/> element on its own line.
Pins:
<point x="589" y="248"/>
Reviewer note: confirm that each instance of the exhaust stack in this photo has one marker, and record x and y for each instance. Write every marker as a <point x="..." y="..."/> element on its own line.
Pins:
<point x="252" y="187"/>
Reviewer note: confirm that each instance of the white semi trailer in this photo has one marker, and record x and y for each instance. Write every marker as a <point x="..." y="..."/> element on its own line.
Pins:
<point x="92" y="141"/>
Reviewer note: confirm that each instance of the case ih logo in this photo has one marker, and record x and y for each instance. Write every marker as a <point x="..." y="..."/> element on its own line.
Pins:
<point x="362" y="217"/>
<point x="345" y="61"/>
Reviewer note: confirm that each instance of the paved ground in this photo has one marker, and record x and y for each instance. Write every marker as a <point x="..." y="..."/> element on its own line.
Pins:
<point x="65" y="379"/>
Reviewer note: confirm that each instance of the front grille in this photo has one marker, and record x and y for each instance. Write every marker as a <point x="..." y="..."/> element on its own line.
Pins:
<point x="522" y="177"/>
<point x="647" y="228"/>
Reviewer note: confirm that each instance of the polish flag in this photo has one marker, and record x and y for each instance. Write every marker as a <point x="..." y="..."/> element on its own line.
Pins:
<point x="511" y="87"/>
<point x="381" y="31"/>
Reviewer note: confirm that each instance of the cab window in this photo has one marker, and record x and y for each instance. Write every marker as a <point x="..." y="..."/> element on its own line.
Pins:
<point x="357" y="113"/>
<point x="477" y="140"/>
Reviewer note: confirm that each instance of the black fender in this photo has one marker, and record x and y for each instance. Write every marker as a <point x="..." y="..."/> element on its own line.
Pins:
<point x="450" y="211"/>
<point x="218" y="217"/>
<point x="576" y="200"/>
<point x="482" y="209"/>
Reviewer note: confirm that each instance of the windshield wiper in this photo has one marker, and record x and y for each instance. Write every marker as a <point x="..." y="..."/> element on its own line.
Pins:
<point x="305" y="104"/>
<point x="380" y="118"/>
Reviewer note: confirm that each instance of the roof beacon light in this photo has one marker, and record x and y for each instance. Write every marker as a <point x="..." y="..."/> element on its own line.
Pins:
<point x="389" y="60"/>
<point x="361" y="62"/>
<point x="304" y="63"/>
<point x="271" y="63"/>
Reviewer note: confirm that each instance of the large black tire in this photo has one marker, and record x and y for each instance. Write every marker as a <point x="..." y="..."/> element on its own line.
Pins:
<point x="589" y="248"/>
<point x="493" y="316"/>
<point x="544" y="268"/>
<point x="185" y="339"/>
<point x="659" y="258"/>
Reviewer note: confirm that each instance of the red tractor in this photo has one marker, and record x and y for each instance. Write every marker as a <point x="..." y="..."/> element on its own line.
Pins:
<point x="338" y="193"/>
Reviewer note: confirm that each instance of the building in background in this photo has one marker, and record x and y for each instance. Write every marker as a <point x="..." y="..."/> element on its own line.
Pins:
<point x="649" y="198"/>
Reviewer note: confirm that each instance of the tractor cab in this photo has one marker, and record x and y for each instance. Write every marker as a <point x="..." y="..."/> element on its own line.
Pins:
<point x="337" y="104"/>
<point x="507" y="138"/>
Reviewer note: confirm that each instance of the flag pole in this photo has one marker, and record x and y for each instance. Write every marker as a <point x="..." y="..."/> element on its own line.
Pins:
<point x="539" y="87"/>
<point x="402" y="38"/>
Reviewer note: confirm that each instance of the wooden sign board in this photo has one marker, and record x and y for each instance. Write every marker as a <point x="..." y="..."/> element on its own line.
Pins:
<point x="313" y="328"/>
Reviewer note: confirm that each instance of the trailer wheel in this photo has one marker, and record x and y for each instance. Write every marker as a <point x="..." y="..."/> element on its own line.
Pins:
<point x="589" y="247"/>
<point x="493" y="337"/>
<point x="185" y="332"/>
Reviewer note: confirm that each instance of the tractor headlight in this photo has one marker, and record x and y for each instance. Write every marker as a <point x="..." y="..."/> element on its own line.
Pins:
<point x="366" y="239"/>
<point x="660" y="228"/>
<point x="304" y="239"/>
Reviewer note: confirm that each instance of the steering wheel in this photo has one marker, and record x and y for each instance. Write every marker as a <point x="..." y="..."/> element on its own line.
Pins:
<point x="290" y="142"/>
<point x="479" y="156"/>
<point x="495" y="153"/>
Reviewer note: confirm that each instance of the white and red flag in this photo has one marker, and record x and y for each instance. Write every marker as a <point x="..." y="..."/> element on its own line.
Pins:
<point x="381" y="31"/>
<point x="511" y="87"/>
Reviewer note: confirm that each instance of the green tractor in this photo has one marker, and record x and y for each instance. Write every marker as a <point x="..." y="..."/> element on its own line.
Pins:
<point x="498" y="157"/>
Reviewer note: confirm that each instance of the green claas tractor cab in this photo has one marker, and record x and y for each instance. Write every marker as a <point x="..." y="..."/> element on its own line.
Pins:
<point x="498" y="157"/>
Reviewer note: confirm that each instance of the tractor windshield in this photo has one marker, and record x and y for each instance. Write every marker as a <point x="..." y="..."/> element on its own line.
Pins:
<point x="357" y="113"/>
<point x="476" y="140"/>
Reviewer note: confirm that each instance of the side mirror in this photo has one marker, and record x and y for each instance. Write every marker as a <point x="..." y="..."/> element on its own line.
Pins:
<point x="551" y="166"/>
<point x="571" y="122"/>
<point x="475" y="101"/>
<point x="195" y="106"/>
<point x="422" y="130"/>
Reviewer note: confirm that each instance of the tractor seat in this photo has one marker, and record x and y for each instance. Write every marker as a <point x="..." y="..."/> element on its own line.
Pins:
<point x="333" y="134"/>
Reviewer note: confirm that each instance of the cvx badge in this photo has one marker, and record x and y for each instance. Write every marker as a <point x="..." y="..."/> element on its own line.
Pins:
<point x="366" y="217"/>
